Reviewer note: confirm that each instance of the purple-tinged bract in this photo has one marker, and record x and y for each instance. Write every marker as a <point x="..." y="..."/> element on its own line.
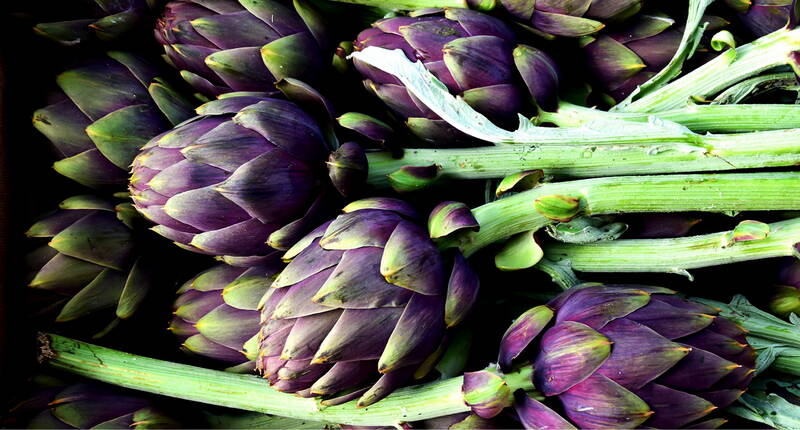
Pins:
<point x="102" y="19"/>
<point x="363" y="303"/>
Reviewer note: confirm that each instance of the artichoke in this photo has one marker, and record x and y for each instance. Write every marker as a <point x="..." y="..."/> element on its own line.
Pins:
<point x="249" y="170"/>
<point x="216" y="313"/>
<point x="571" y="18"/>
<point x="101" y="19"/>
<point x="56" y="405"/>
<point x="622" y="356"/>
<point x="762" y="17"/>
<point x="227" y="46"/>
<point x="622" y="60"/>
<point x="106" y="110"/>
<point x="91" y="262"/>
<point x="474" y="54"/>
<point x="366" y="297"/>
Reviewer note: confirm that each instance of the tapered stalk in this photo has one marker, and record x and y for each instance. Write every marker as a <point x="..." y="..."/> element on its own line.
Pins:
<point x="586" y="159"/>
<point x="675" y="255"/>
<point x="247" y="392"/>
<point x="698" y="118"/>
<point x="630" y="194"/>
<point x="728" y="68"/>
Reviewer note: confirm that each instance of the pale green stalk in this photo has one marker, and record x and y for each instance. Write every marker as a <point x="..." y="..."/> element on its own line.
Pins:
<point x="719" y="193"/>
<point x="586" y="160"/>
<point x="675" y="255"/>
<point x="246" y="392"/>
<point x="713" y="118"/>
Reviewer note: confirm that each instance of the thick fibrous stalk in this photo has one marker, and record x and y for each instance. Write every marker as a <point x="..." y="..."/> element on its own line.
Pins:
<point x="589" y="157"/>
<point x="666" y="193"/>
<point x="715" y="118"/>
<point x="246" y="392"/>
<point x="678" y="254"/>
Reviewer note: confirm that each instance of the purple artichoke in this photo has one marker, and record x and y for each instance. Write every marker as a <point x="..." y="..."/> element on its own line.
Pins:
<point x="474" y="54"/>
<point x="101" y="19"/>
<point x="622" y="356"/>
<point x="226" y="46"/>
<point x="106" y="110"/>
<point x="216" y="313"/>
<point x="248" y="174"/>
<point x="91" y="262"/>
<point x="762" y="17"/>
<point x="366" y="299"/>
<point x="572" y="18"/>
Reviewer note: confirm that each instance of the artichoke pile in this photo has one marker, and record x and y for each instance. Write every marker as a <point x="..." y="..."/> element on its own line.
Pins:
<point x="252" y="193"/>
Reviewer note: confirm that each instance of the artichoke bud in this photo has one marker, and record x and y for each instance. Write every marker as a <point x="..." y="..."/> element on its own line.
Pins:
<point x="243" y="178"/>
<point x="762" y="17"/>
<point x="413" y="178"/>
<point x="347" y="168"/>
<point x="364" y="295"/>
<point x="449" y="217"/>
<point x="627" y="356"/>
<point x="558" y="207"/>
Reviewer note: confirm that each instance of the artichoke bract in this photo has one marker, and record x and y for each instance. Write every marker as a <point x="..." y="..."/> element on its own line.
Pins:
<point x="248" y="171"/>
<point x="216" y="313"/>
<point x="106" y="110"/>
<point x="365" y="301"/>
<point x="622" y="60"/>
<point x="571" y="18"/>
<point x="101" y="19"/>
<point x="762" y="17"/>
<point x="475" y="55"/>
<point x="227" y="46"/>
<point x="622" y="356"/>
<point x="92" y="261"/>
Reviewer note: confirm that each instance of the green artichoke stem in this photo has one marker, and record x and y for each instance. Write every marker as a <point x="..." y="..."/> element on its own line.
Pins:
<point x="598" y="158"/>
<point x="724" y="192"/>
<point x="730" y="67"/>
<point x="714" y="118"/>
<point x="675" y="255"/>
<point x="246" y="392"/>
